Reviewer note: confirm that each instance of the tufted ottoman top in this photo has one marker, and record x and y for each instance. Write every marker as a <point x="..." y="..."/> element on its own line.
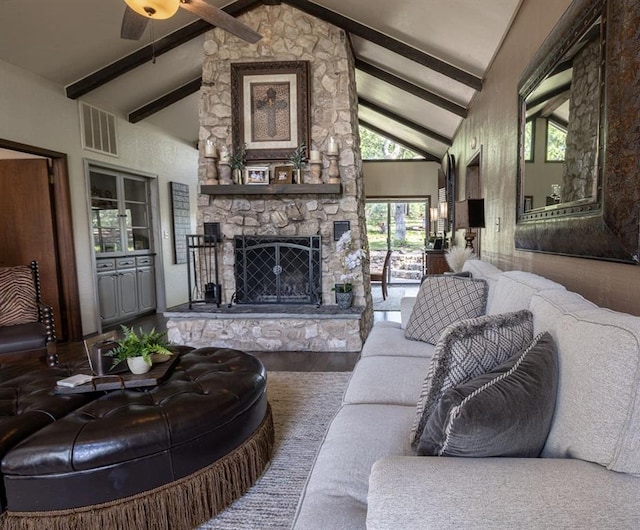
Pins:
<point x="127" y="441"/>
<point x="27" y="403"/>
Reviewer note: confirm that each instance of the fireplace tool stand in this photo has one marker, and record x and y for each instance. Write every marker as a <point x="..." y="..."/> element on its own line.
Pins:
<point x="202" y="275"/>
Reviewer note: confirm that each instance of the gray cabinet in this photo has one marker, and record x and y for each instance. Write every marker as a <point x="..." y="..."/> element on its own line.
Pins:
<point x="146" y="284"/>
<point x="126" y="288"/>
<point x="108" y="293"/>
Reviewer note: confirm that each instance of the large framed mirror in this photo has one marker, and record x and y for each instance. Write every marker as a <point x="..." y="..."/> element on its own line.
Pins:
<point x="574" y="197"/>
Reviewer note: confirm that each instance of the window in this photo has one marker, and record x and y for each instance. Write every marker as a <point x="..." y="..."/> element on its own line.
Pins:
<point x="376" y="147"/>
<point x="529" y="139"/>
<point x="402" y="227"/>
<point x="556" y="142"/>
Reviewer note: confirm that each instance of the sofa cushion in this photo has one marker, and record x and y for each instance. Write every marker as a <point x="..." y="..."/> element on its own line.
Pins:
<point x="504" y="412"/>
<point x="406" y="308"/>
<point x="387" y="379"/>
<point x="467" y="349"/>
<point x="335" y="495"/>
<point x="548" y="306"/>
<point x="481" y="270"/>
<point x="597" y="415"/>
<point x="514" y="290"/>
<point x="387" y="338"/>
<point x="411" y="493"/>
<point x="18" y="300"/>
<point x="443" y="300"/>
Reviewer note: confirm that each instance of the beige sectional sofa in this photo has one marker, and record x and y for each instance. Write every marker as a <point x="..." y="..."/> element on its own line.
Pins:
<point x="366" y="474"/>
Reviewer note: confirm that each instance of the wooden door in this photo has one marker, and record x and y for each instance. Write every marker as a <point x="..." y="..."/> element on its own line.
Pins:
<point x="26" y="218"/>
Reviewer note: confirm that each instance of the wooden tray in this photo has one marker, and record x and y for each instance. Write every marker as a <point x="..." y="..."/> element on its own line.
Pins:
<point x="157" y="374"/>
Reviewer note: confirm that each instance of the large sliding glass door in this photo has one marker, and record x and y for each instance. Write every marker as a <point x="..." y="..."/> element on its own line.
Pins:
<point x="403" y="228"/>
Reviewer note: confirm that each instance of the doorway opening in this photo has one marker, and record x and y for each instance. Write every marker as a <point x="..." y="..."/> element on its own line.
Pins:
<point x="43" y="200"/>
<point x="401" y="226"/>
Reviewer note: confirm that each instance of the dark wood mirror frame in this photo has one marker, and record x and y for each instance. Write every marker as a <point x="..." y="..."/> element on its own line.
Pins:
<point x="608" y="227"/>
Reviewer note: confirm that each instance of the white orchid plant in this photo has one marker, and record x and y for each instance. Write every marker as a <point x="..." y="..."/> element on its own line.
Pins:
<point x="350" y="259"/>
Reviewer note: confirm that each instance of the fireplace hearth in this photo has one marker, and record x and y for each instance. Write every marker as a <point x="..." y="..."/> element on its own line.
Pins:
<point x="278" y="270"/>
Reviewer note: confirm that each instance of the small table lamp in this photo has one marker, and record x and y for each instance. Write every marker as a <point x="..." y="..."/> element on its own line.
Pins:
<point x="433" y="219"/>
<point x="469" y="215"/>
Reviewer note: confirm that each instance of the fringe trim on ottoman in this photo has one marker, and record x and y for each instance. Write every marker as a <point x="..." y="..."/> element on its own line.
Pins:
<point x="184" y="503"/>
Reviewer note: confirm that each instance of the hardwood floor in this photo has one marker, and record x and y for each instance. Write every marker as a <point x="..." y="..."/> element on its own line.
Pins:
<point x="277" y="361"/>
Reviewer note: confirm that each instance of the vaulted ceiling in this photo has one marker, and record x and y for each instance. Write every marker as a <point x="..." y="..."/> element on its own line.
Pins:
<point x="419" y="62"/>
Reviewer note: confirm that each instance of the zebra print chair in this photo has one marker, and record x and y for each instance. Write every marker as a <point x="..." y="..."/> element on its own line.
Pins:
<point x="26" y="324"/>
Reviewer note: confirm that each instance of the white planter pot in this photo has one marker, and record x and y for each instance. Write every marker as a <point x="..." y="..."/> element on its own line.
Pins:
<point x="137" y="365"/>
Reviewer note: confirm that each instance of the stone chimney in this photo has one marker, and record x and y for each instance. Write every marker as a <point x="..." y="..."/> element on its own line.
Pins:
<point x="289" y="35"/>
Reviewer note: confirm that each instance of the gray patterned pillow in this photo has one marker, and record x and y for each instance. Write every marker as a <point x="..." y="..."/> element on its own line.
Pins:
<point x="505" y="412"/>
<point x="443" y="300"/>
<point x="466" y="350"/>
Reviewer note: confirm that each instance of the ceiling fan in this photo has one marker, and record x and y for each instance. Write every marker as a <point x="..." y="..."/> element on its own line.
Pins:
<point x="138" y="12"/>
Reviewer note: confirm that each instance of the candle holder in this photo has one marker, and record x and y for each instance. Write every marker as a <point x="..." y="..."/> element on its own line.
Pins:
<point x="315" y="167"/>
<point x="211" y="172"/>
<point x="210" y="150"/>
<point x="225" y="173"/>
<point x="334" y="170"/>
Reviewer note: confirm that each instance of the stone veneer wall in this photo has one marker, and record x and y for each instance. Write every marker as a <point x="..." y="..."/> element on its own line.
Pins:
<point x="580" y="179"/>
<point x="268" y="332"/>
<point x="290" y="35"/>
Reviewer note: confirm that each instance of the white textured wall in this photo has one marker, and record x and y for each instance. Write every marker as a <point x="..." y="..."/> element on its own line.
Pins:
<point x="400" y="179"/>
<point x="36" y="112"/>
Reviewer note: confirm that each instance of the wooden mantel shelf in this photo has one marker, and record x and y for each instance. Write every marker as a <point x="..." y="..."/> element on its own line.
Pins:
<point x="271" y="189"/>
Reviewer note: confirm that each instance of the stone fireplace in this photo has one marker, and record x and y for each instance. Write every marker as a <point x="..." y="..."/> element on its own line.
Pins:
<point x="295" y="212"/>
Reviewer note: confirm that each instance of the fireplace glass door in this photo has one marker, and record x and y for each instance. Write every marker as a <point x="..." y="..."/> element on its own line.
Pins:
<point x="274" y="270"/>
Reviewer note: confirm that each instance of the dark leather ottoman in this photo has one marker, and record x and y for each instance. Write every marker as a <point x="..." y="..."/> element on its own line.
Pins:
<point x="172" y="455"/>
<point x="27" y="403"/>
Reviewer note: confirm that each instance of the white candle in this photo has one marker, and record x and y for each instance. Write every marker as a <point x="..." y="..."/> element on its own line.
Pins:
<point x="333" y="146"/>
<point x="210" y="149"/>
<point x="314" y="156"/>
<point x="224" y="155"/>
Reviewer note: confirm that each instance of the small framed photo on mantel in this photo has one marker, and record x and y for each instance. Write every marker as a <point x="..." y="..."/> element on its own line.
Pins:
<point x="282" y="174"/>
<point x="256" y="175"/>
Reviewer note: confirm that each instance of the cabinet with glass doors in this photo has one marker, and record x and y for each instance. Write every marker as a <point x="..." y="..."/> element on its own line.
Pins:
<point x="121" y="230"/>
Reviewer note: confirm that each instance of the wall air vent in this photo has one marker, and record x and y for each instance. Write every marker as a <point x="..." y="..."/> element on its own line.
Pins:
<point x="98" y="130"/>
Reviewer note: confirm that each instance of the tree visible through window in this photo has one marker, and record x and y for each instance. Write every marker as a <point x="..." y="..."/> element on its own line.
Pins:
<point x="528" y="141"/>
<point x="556" y="142"/>
<point x="376" y="147"/>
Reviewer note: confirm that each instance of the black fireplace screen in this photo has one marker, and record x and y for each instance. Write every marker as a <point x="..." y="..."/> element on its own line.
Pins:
<point x="278" y="270"/>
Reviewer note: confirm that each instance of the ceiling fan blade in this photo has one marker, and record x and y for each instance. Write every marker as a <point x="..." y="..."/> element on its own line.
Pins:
<point x="219" y="18"/>
<point x="133" y="25"/>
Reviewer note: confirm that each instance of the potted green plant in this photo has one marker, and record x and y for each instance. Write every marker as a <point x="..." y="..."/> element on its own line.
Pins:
<point x="297" y="159"/>
<point x="237" y="162"/>
<point x="140" y="350"/>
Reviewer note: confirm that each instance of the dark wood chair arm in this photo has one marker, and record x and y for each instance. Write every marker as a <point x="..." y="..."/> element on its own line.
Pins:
<point x="45" y="315"/>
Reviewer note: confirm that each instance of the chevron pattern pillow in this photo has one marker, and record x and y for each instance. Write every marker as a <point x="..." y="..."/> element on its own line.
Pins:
<point x="443" y="300"/>
<point x="466" y="350"/>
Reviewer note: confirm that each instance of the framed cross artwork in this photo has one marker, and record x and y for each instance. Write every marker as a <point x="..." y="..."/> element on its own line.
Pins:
<point x="270" y="103"/>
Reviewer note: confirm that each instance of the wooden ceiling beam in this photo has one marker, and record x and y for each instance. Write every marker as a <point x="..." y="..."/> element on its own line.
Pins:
<point x="387" y="42"/>
<point x="406" y="86"/>
<point x="164" y="101"/>
<point x="146" y="53"/>
<point x="430" y="157"/>
<point x="404" y="121"/>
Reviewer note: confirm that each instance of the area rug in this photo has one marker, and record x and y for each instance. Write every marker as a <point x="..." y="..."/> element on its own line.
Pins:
<point x="303" y="405"/>
<point x="392" y="303"/>
<point x="395" y="295"/>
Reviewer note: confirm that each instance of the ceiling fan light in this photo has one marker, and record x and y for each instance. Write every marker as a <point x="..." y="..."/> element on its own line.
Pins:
<point x="158" y="9"/>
